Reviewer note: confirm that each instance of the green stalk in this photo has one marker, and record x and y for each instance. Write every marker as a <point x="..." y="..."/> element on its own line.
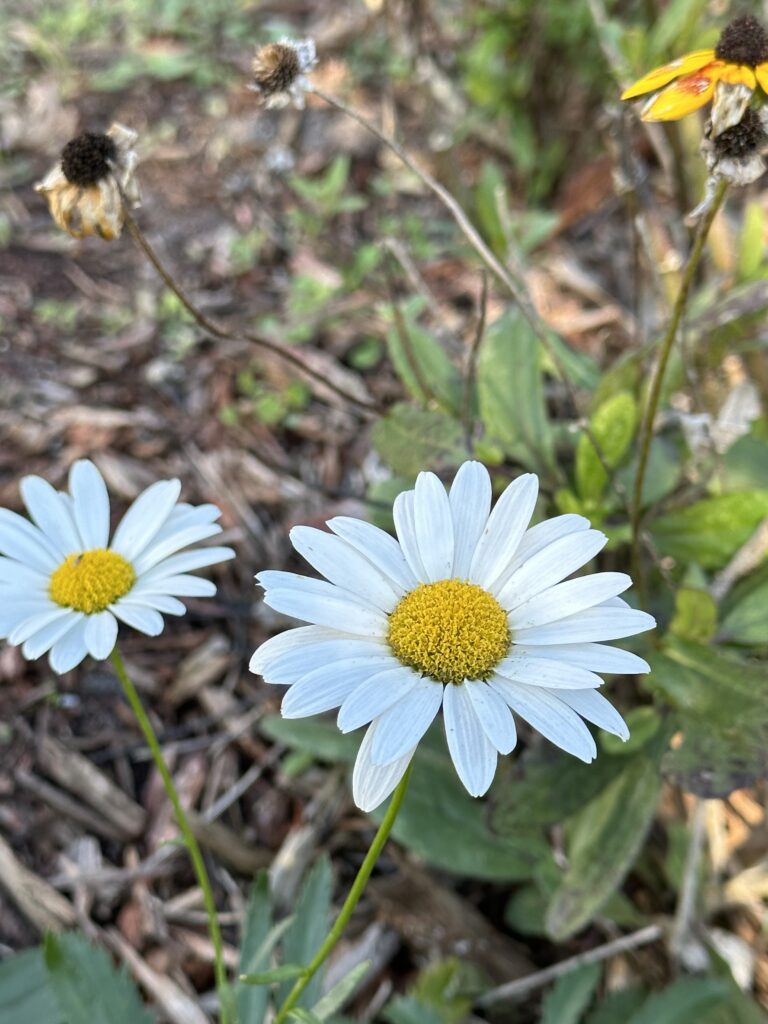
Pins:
<point x="350" y="902"/>
<point x="193" y="847"/>
<point x="667" y="344"/>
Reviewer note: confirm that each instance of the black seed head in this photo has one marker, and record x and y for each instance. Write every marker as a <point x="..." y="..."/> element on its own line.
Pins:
<point x="742" y="139"/>
<point x="743" y="41"/>
<point x="275" y="68"/>
<point x="85" y="159"/>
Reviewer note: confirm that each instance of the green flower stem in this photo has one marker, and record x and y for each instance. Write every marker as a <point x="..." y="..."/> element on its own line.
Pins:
<point x="350" y="902"/>
<point x="193" y="847"/>
<point x="654" y="395"/>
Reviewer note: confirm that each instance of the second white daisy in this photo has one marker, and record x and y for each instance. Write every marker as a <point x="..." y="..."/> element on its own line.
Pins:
<point x="64" y="585"/>
<point x="467" y="612"/>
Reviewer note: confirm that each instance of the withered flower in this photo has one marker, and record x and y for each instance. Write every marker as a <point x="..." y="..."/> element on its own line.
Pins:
<point x="736" y="155"/>
<point x="84" y="188"/>
<point x="280" y="72"/>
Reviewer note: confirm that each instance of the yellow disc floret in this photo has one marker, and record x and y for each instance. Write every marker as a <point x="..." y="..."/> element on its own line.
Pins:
<point x="91" y="580"/>
<point x="451" y="631"/>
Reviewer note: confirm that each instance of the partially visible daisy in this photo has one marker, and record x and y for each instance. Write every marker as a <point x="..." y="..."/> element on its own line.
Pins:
<point x="280" y="72"/>
<point x="467" y="612"/>
<point x="728" y="75"/>
<point x="83" y="188"/>
<point x="63" y="585"/>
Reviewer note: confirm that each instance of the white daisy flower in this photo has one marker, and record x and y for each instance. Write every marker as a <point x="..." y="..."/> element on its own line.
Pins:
<point x="63" y="585"/>
<point x="468" y="612"/>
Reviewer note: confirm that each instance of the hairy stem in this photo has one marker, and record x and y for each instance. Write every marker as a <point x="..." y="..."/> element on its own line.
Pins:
<point x="195" y="853"/>
<point x="665" y="350"/>
<point x="350" y="902"/>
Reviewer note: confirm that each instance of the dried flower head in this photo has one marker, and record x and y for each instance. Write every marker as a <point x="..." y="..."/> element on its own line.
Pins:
<point x="84" y="188"/>
<point x="736" y="155"/>
<point x="727" y="75"/>
<point x="280" y="72"/>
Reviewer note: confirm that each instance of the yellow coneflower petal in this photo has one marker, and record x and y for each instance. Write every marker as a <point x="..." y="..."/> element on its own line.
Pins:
<point x="761" y="73"/>
<point x="737" y="74"/>
<point x="662" y="76"/>
<point x="681" y="98"/>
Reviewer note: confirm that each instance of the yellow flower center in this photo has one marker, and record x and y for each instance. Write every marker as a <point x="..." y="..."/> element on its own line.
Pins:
<point x="451" y="631"/>
<point x="89" y="581"/>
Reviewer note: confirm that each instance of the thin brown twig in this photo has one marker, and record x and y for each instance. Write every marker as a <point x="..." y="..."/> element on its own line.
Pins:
<point x="471" y="370"/>
<point x="522" y="986"/>
<point x="211" y="327"/>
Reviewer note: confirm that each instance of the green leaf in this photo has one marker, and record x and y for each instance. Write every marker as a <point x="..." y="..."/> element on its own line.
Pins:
<point x="710" y="531"/>
<point x="695" y="615"/>
<point x="511" y="392"/>
<point x="304" y="1016"/>
<point x="87" y="987"/>
<point x="440" y="822"/>
<point x="252" y="1002"/>
<point x="410" y="439"/>
<point x="604" y="840"/>
<point x="407" y="1010"/>
<point x="747" y="621"/>
<point x="662" y="475"/>
<point x="613" y="427"/>
<point x="643" y="724"/>
<point x="617" y="1006"/>
<point x="684" y="1002"/>
<point x="282" y="973"/>
<point x="340" y="993"/>
<point x="745" y="465"/>
<point x="422" y="364"/>
<point x="571" y="995"/>
<point x="309" y="927"/>
<point x="313" y="736"/>
<point x="751" y="240"/>
<point x="26" y="996"/>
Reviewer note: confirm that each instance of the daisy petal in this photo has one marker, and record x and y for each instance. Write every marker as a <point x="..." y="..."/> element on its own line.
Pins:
<point x="29" y="625"/>
<point x="161" y="547"/>
<point x="325" y="688"/>
<point x="44" y="638"/>
<point x="434" y="527"/>
<point x="550" y="566"/>
<point x="15" y="611"/>
<point x="141" y="523"/>
<point x="401" y="728"/>
<point x="551" y="717"/>
<point x="372" y="783"/>
<point x="91" y="507"/>
<point x="545" y="671"/>
<point x="568" y="598"/>
<point x="146" y="620"/>
<point x="470" y="500"/>
<point x="101" y="635"/>
<point x="761" y="74"/>
<point x="378" y="547"/>
<point x="51" y="514"/>
<point x="504" y="531"/>
<point x="375" y="696"/>
<point x="662" y="76"/>
<point x="178" y="586"/>
<point x="292" y="665"/>
<point x="405" y="527"/>
<point x="594" y="624"/>
<point x="23" y="579"/>
<point x="681" y="98"/>
<point x="289" y="640"/>
<point x="539" y="537"/>
<point x="70" y="650"/>
<point x="160" y="602"/>
<point x="473" y="754"/>
<point x="199" y="558"/>
<point x="494" y="716"/>
<point x="346" y="567"/>
<point x="326" y="605"/>
<point x="596" y="709"/>
<point x="24" y="543"/>
<point x="593" y="657"/>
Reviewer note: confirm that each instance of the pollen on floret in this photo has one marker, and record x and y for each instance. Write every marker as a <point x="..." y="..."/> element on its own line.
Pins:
<point x="90" y="581"/>
<point x="86" y="159"/>
<point x="743" y="41"/>
<point x="451" y="630"/>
